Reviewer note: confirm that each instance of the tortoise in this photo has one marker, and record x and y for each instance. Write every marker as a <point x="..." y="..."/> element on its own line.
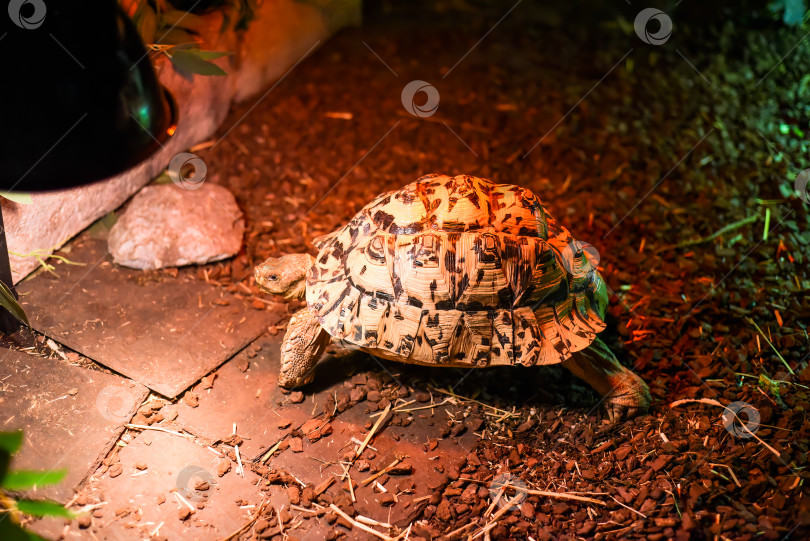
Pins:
<point x="452" y="272"/>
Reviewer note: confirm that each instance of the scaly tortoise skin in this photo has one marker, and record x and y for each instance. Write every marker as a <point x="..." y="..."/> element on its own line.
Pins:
<point x="453" y="272"/>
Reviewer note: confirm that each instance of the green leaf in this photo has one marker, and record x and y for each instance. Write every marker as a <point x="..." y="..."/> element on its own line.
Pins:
<point x="786" y="190"/>
<point x="804" y="84"/>
<point x="18" y="197"/>
<point x="11" y="441"/>
<point x="178" y="36"/>
<point x="794" y="12"/>
<point x="5" y="460"/>
<point x="188" y="61"/>
<point x="11" y="531"/>
<point x="209" y="55"/>
<point x="43" y="508"/>
<point x="8" y="302"/>
<point x="25" y="479"/>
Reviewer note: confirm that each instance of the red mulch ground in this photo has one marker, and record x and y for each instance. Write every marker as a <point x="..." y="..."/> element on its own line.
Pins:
<point x="676" y="143"/>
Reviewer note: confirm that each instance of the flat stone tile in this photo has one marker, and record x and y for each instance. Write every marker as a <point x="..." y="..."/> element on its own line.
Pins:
<point x="137" y="501"/>
<point x="163" y="332"/>
<point x="246" y="392"/>
<point x="71" y="416"/>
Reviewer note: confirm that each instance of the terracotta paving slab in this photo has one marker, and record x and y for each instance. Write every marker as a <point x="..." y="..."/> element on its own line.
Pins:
<point x="163" y="332"/>
<point x="246" y="392"/>
<point x="71" y="416"/>
<point x="133" y="507"/>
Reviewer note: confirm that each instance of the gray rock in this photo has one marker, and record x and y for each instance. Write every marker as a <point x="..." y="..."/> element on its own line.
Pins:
<point x="168" y="226"/>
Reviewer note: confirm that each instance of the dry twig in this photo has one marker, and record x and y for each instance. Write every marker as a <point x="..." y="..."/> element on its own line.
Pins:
<point x="784" y="362"/>
<point x="721" y="231"/>
<point x="382" y="472"/>
<point x="159" y="429"/>
<point x="360" y="525"/>
<point x="546" y="493"/>
<point x="245" y="527"/>
<point x="372" y="431"/>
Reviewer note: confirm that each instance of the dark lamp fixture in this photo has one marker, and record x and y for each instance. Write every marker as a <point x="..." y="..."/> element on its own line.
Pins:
<point x="79" y="101"/>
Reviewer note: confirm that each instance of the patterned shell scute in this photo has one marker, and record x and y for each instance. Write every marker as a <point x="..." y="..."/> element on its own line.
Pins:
<point x="456" y="271"/>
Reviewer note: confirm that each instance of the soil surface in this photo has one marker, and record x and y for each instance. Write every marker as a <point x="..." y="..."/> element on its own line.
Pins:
<point x="644" y="151"/>
<point x="675" y="161"/>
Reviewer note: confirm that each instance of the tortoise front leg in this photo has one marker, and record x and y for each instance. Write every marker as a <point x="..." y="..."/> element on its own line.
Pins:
<point x="625" y="394"/>
<point x="304" y="343"/>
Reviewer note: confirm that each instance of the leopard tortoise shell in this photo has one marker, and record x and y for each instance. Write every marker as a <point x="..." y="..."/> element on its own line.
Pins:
<point x="452" y="271"/>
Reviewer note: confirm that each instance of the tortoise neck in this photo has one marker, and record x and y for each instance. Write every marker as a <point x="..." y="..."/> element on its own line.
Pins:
<point x="303" y="263"/>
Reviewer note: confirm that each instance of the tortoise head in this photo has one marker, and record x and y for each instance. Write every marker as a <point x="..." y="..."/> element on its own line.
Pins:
<point x="285" y="275"/>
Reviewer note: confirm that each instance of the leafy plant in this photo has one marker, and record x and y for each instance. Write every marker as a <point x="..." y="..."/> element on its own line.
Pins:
<point x="793" y="12"/>
<point x="194" y="60"/>
<point x="9" y="302"/>
<point x="176" y="33"/>
<point x="11" y="508"/>
<point x="42" y="257"/>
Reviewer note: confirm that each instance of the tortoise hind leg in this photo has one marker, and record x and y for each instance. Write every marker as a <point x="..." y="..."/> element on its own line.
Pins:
<point x="304" y="343"/>
<point x="625" y="394"/>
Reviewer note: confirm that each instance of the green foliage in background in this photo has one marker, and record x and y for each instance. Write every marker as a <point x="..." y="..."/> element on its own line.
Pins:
<point x="166" y="28"/>
<point x="10" y="507"/>
<point x="792" y="12"/>
<point x="336" y="14"/>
